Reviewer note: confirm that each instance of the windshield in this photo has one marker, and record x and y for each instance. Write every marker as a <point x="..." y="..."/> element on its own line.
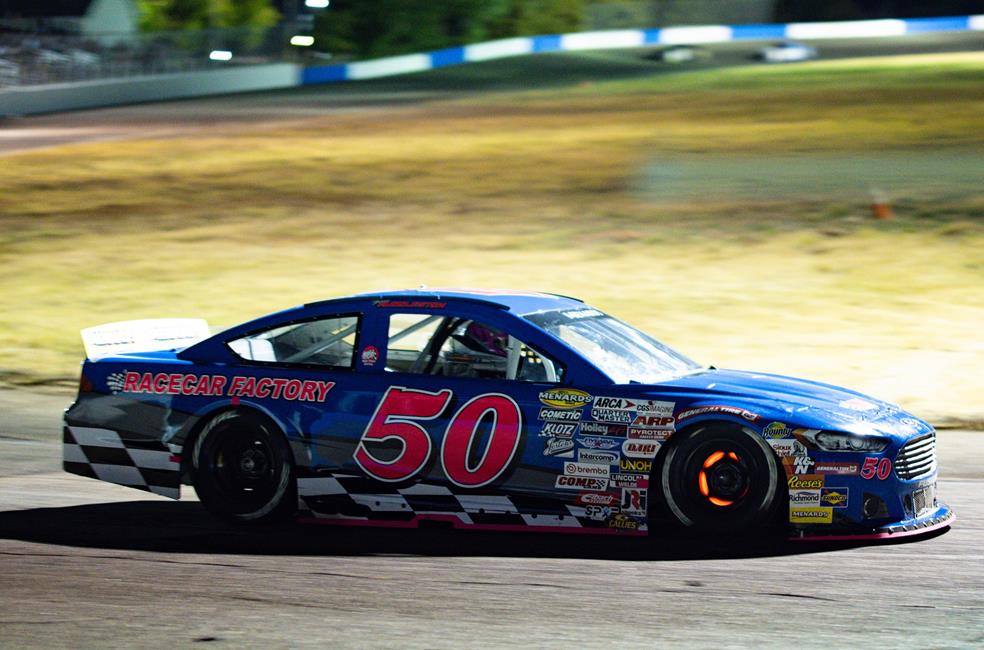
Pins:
<point x="622" y="352"/>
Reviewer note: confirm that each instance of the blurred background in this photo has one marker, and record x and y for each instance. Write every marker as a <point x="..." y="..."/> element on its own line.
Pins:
<point x="802" y="199"/>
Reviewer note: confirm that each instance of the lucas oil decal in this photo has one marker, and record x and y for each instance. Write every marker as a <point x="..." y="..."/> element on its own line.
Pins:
<point x="163" y="383"/>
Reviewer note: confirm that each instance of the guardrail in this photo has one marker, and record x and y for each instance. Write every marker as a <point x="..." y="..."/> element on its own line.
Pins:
<point x="629" y="38"/>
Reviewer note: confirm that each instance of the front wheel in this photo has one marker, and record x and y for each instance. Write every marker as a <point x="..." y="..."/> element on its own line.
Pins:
<point x="720" y="478"/>
<point x="242" y="470"/>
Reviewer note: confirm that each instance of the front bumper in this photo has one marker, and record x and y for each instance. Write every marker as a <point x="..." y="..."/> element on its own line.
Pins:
<point x="939" y="518"/>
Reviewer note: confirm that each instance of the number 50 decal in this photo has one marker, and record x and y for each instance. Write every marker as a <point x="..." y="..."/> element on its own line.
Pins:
<point x="397" y="418"/>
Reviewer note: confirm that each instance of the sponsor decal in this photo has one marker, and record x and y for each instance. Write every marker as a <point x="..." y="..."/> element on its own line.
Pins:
<point x="599" y="443"/>
<point x="624" y="411"/>
<point x="874" y="467"/>
<point x="841" y="469"/>
<point x="565" y="398"/>
<point x="172" y="383"/>
<point x="640" y="448"/>
<point x="560" y="415"/>
<point x="653" y="422"/>
<point x="370" y="355"/>
<point x="623" y="522"/>
<point x="858" y="404"/>
<point x="659" y="435"/>
<point x="805" y="482"/>
<point x="596" y="457"/>
<point x="581" y="483"/>
<point x="596" y="499"/>
<point x="558" y="429"/>
<point x="600" y="513"/>
<point x="591" y="470"/>
<point x="634" y="501"/>
<point x="603" y="429"/>
<point x="630" y="480"/>
<point x="799" y="464"/>
<point x="784" y="448"/>
<point x="411" y="304"/>
<point x="560" y="447"/>
<point x="776" y="430"/>
<point x="718" y="409"/>
<point x="635" y="466"/>
<point x="804" y="498"/>
<point x="811" y="515"/>
<point x="834" y="497"/>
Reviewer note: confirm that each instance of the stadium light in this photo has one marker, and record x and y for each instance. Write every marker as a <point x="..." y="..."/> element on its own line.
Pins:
<point x="317" y="4"/>
<point x="302" y="41"/>
<point x="220" y="55"/>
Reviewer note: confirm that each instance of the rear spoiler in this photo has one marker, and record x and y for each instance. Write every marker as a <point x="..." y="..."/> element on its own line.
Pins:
<point x="142" y="336"/>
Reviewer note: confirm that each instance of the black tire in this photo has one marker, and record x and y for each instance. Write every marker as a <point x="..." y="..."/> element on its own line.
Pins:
<point x="721" y="478"/>
<point x="242" y="469"/>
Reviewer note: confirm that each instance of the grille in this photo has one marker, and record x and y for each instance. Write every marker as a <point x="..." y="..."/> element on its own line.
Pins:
<point x="917" y="458"/>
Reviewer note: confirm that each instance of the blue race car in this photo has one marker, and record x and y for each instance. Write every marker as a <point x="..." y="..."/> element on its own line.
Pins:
<point x="501" y="410"/>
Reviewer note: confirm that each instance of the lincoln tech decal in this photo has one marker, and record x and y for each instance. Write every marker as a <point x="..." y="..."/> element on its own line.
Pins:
<point x="172" y="383"/>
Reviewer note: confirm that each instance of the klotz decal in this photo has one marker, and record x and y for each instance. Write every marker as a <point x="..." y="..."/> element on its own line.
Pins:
<point x="370" y="355"/>
<point x="558" y="429"/>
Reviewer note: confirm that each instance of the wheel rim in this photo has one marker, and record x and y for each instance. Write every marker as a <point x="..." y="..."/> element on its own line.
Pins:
<point x="245" y="471"/>
<point x="723" y="479"/>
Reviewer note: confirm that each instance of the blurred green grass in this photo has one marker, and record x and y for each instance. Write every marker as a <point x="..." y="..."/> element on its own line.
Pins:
<point x="551" y="190"/>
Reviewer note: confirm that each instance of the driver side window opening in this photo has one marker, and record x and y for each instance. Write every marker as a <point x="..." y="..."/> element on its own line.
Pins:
<point x="451" y="346"/>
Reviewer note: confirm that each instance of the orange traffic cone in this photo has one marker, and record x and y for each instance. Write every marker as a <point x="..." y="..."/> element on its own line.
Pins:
<point x="880" y="207"/>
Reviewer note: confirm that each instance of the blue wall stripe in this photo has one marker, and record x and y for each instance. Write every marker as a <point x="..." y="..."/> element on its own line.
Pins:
<point x="549" y="43"/>
<point x="946" y="24"/>
<point x="450" y="56"/>
<point x="650" y="36"/>
<point x="757" y="32"/>
<point x="324" y="74"/>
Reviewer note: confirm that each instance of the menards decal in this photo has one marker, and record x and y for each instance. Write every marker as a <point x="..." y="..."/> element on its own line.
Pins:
<point x="173" y="383"/>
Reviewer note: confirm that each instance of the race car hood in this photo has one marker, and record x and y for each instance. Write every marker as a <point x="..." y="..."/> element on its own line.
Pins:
<point x="798" y="402"/>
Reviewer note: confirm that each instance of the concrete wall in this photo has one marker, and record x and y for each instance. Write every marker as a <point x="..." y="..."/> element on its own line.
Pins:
<point x="28" y="100"/>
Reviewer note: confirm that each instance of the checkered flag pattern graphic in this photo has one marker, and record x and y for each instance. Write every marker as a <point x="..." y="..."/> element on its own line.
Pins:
<point x="103" y="454"/>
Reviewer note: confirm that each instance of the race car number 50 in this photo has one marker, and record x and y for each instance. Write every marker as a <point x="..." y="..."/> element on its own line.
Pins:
<point x="398" y="418"/>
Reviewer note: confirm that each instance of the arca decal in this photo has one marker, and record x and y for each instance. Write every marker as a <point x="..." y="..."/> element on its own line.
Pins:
<point x="398" y="417"/>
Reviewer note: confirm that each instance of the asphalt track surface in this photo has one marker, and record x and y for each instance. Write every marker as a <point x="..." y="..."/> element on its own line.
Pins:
<point x="88" y="564"/>
<point x="302" y="105"/>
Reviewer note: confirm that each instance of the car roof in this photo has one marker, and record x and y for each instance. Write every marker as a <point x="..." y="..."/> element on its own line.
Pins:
<point x="519" y="302"/>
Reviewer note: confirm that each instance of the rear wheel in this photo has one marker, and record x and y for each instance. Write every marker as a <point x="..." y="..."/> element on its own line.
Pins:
<point x="242" y="470"/>
<point x="720" y="478"/>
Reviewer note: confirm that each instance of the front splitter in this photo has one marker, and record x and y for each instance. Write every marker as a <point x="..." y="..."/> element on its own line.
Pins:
<point x="942" y="518"/>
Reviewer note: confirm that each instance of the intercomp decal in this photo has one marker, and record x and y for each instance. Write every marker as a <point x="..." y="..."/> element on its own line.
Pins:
<point x="173" y="383"/>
